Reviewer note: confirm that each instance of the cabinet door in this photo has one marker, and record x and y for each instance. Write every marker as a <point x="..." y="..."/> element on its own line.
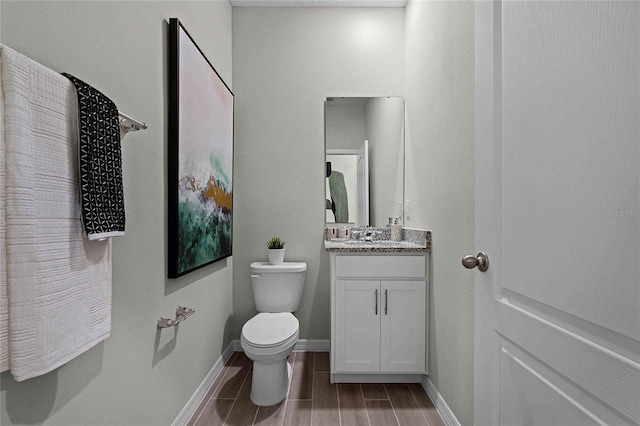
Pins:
<point x="357" y="326"/>
<point x="403" y="326"/>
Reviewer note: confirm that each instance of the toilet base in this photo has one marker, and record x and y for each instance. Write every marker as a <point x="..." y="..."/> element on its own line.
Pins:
<point x="270" y="382"/>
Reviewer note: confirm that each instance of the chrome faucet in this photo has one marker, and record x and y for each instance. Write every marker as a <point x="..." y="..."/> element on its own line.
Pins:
<point x="370" y="234"/>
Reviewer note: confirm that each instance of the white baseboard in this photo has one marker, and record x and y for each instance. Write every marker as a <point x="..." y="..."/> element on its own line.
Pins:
<point x="194" y="402"/>
<point x="303" y="345"/>
<point x="443" y="409"/>
<point x="187" y="412"/>
<point x="308" y="345"/>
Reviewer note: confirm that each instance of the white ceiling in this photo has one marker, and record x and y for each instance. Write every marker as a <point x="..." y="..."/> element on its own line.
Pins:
<point x="319" y="3"/>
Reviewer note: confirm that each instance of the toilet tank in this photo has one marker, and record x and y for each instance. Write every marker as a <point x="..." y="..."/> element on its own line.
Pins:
<point x="278" y="288"/>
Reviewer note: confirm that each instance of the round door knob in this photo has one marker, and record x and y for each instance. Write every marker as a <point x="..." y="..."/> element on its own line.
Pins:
<point x="481" y="261"/>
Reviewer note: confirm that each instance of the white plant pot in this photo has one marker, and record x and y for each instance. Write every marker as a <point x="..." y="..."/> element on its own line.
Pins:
<point x="276" y="256"/>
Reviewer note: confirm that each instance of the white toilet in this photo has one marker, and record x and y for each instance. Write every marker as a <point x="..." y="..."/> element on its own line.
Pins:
<point x="269" y="337"/>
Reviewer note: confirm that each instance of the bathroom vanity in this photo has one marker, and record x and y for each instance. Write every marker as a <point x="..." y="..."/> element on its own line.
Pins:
<point x="378" y="311"/>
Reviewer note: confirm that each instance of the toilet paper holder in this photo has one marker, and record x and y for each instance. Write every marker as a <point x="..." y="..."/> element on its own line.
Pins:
<point x="182" y="313"/>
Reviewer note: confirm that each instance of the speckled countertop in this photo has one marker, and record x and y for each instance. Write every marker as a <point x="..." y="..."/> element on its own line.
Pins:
<point x="351" y="246"/>
<point x="414" y="240"/>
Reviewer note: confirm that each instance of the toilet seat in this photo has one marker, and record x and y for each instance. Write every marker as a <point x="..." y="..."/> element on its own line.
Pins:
<point x="270" y="329"/>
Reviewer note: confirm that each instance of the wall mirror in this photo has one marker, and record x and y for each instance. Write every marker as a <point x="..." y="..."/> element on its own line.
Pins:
<point x="364" y="143"/>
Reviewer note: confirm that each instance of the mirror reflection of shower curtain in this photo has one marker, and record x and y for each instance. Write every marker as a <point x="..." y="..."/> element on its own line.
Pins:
<point x="339" y="198"/>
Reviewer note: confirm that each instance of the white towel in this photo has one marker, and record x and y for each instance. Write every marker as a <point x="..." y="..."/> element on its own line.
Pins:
<point x="4" y="302"/>
<point x="59" y="284"/>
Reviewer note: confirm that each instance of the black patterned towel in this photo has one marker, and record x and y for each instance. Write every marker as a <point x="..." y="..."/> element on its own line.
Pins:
<point x="101" y="191"/>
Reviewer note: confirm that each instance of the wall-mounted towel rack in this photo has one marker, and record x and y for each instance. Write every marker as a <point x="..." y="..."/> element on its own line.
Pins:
<point x="129" y="124"/>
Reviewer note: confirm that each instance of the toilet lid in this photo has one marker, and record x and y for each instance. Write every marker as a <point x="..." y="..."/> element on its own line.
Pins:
<point x="267" y="268"/>
<point x="270" y="329"/>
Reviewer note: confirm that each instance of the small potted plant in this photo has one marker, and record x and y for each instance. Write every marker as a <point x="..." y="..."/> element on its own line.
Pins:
<point x="276" y="250"/>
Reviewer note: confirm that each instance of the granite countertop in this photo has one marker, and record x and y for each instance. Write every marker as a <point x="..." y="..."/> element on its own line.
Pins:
<point x="384" y="246"/>
<point x="414" y="240"/>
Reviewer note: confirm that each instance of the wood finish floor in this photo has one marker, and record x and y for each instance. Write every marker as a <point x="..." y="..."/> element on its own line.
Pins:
<point x="313" y="400"/>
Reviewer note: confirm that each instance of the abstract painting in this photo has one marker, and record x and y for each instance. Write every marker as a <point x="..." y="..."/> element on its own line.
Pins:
<point x="200" y="155"/>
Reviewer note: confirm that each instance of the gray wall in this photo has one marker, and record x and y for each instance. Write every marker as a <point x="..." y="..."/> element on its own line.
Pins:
<point x="138" y="375"/>
<point x="439" y="75"/>
<point x="286" y="61"/>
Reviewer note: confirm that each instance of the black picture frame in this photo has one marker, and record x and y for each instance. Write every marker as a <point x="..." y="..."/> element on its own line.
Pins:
<point x="200" y="157"/>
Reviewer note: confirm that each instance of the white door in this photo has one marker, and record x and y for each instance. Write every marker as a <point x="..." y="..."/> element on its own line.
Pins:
<point x="557" y="314"/>
<point x="363" y="185"/>
<point x="402" y="335"/>
<point x="357" y="326"/>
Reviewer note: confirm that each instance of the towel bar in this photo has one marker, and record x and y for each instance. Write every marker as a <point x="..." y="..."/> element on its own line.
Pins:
<point x="182" y="313"/>
<point x="128" y="124"/>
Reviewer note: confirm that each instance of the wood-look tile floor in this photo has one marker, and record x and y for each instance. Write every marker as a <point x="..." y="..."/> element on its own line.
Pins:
<point x="313" y="400"/>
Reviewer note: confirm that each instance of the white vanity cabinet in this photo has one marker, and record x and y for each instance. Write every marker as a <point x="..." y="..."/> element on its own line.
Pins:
<point x="378" y="329"/>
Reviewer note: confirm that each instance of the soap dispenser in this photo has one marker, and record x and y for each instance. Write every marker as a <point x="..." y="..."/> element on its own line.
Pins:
<point x="396" y="230"/>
